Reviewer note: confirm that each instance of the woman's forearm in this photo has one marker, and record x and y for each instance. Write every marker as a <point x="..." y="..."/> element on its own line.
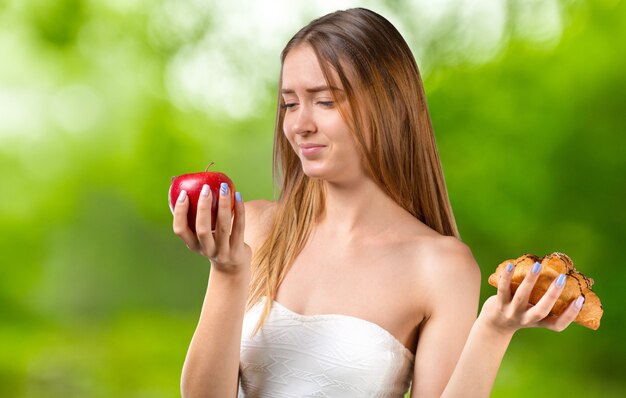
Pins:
<point x="478" y="365"/>
<point x="211" y="367"/>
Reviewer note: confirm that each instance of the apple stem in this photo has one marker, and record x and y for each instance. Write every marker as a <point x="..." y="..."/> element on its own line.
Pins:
<point x="207" y="168"/>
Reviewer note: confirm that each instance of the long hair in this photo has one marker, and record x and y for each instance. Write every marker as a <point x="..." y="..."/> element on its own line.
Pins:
<point x="391" y="126"/>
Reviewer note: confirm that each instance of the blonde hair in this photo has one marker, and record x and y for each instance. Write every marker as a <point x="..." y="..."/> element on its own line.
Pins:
<point x="386" y="99"/>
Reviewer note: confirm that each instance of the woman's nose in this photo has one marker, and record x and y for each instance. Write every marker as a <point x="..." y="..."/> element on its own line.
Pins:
<point x="304" y="122"/>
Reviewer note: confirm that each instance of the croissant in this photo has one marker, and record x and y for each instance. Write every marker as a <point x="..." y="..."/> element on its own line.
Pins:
<point x="552" y="265"/>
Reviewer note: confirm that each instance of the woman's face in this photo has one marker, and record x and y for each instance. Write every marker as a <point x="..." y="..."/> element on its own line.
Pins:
<point x="312" y="123"/>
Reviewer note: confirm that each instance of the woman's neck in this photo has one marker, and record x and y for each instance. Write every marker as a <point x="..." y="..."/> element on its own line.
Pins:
<point x="356" y="210"/>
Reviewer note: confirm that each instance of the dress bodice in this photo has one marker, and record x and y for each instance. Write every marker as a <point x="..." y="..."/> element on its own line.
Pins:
<point x="326" y="355"/>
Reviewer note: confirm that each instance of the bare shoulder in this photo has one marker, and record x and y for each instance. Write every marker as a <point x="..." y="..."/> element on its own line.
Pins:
<point x="258" y="207"/>
<point x="259" y="217"/>
<point x="449" y="255"/>
<point x="448" y="271"/>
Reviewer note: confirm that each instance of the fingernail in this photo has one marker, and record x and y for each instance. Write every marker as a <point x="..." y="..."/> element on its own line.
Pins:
<point x="238" y="196"/>
<point x="205" y="190"/>
<point x="182" y="196"/>
<point x="536" y="268"/>
<point x="224" y="188"/>
<point x="579" y="302"/>
<point x="560" y="281"/>
<point x="509" y="267"/>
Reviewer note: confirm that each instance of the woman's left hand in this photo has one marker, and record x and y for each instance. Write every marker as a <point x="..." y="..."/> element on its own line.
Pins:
<point x="507" y="313"/>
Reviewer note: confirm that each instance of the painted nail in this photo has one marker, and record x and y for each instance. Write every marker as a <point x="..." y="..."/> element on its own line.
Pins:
<point x="205" y="190"/>
<point x="182" y="196"/>
<point x="536" y="268"/>
<point x="560" y="281"/>
<point x="509" y="267"/>
<point x="579" y="302"/>
<point x="238" y="196"/>
<point x="224" y="188"/>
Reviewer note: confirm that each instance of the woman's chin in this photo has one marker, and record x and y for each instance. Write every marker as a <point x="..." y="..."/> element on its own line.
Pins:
<point x="314" y="173"/>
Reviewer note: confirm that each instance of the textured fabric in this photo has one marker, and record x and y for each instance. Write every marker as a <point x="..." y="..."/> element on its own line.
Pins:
<point x="296" y="355"/>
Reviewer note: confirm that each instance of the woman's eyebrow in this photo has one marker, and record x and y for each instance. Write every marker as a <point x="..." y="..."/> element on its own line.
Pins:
<point x="315" y="89"/>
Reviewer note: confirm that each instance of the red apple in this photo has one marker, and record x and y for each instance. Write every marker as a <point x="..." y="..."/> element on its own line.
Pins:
<point x="192" y="183"/>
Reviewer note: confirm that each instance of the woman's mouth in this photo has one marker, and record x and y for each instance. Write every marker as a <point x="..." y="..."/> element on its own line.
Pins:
<point x="310" y="150"/>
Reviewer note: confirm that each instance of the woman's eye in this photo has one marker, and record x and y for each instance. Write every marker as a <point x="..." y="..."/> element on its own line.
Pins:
<point x="288" y="106"/>
<point x="326" y="103"/>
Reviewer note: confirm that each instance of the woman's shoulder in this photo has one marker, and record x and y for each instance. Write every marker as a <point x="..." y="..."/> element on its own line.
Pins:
<point x="435" y="246"/>
<point x="436" y="258"/>
<point x="259" y="207"/>
<point x="449" y="255"/>
<point x="448" y="268"/>
<point x="452" y="253"/>
<point x="259" y="217"/>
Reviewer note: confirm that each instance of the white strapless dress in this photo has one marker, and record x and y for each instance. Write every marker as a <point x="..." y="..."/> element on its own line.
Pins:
<point x="294" y="356"/>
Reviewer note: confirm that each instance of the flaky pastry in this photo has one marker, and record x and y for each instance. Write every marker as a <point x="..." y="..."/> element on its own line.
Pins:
<point x="552" y="265"/>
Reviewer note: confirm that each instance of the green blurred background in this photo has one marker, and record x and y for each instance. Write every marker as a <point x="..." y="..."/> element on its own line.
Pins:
<point x="102" y="102"/>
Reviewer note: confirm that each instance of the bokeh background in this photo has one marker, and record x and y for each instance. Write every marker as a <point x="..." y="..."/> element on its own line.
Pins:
<point x="103" y="101"/>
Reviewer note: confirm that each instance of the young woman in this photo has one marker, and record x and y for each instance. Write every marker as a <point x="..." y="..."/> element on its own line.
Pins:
<point x="354" y="283"/>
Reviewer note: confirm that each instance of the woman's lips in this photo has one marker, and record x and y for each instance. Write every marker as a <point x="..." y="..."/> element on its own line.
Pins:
<point x="311" y="150"/>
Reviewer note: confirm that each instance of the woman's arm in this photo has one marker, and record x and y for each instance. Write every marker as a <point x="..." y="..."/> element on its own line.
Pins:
<point x="478" y="365"/>
<point x="211" y="368"/>
<point x="491" y="333"/>
<point x="458" y="355"/>
<point x="450" y="286"/>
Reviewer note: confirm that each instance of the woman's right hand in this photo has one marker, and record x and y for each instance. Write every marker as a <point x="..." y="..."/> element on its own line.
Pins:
<point x="225" y="248"/>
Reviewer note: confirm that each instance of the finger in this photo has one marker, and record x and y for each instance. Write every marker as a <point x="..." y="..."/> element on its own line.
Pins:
<point x="504" y="284"/>
<point x="203" y="220"/>
<point x="180" y="225"/>
<point x="568" y="316"/>
<point x="522" y="294"/>
<point x="236" y="237"/>
<point x="546" y="303"/>
<point x="224" y="215"/>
